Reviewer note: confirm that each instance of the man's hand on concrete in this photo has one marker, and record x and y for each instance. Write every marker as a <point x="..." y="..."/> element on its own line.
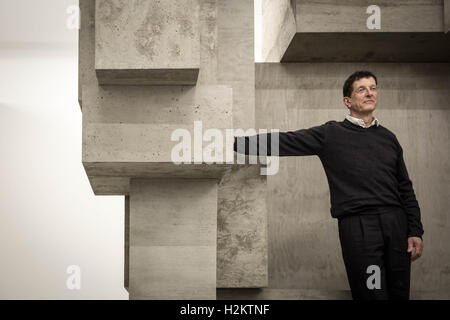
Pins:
<point x="417" y="244"/>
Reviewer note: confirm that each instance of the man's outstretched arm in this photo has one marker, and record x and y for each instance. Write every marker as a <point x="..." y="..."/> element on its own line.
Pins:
<point x="303" y="142"/>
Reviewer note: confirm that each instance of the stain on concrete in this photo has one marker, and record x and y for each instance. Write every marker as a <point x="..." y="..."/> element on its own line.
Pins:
<point x="227" y="255"/>
<point x="185" y="23"/>
<point x="186" y="27"/>
<point x="175" y="51"/>
<point x="209" y="25"/>
<point x="110" y="10"/>
<point x="245" y="241"/>
<point x="148" y="35"/>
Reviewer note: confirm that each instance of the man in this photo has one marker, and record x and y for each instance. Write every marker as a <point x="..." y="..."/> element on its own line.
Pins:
<point x="371" y="194"/>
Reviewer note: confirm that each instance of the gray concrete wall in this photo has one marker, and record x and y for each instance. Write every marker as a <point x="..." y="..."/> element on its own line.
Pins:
<point x="304" y="250"/>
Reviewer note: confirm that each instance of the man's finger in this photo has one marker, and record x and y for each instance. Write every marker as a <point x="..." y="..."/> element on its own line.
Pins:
<point x="417" y="250"/>
<point x="410" y="244"/>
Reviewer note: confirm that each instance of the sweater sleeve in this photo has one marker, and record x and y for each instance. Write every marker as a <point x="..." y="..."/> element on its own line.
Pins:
<point x="408" y="197"/>
<point x="303" y="142"/>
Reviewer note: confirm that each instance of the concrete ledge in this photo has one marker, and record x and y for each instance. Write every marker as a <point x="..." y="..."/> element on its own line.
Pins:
<point x="152" y="170"/>
<point x="109" y="186"/>
<point x="368" y="47"/>
<point x="312" y="294"/>
<point x="179" y="76"/>
<point x="113" y="178"/>
<point x="283" y="294"/>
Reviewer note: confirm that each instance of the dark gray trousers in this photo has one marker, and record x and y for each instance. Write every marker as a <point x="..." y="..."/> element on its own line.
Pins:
<point x="376" y="240"/>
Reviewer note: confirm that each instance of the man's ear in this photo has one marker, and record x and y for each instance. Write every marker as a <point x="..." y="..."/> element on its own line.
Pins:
<point x="346" y="101"/>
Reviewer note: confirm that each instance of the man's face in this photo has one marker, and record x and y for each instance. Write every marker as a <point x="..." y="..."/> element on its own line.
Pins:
<point x="363" y="99"/>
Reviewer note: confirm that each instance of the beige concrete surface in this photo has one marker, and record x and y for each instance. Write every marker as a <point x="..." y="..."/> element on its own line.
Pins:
<point x="172" y="239"/>
<point x="147" y="42"/>
<point x="242" y="229"/>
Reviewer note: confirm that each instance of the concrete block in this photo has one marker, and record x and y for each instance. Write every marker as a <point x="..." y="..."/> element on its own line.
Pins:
<point x="174" y="222"/>
<point x="330" y="31"/>
<point x="106" y="186"/>
<point x="446" y="16"/>
<point x="147" y="42"/>
<point x="86" y="47"/>
<point x="136" y="124"/>
<point x="172" y="273"/>
<point x="351" y="16"/>
<point x="126" y="242"/>
<point x="279" y="28"/>
<point x="159" y="105"/>
<point x="242" y="244"/>
<point x="132" y="126"/>
<point x="172" y="244"/>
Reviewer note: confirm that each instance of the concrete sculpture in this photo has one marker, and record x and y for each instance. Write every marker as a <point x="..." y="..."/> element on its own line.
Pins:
<point x="202" y="231"/>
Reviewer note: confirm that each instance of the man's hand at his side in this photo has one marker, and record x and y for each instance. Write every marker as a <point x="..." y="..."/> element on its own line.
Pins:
<point x="417" y="244"/>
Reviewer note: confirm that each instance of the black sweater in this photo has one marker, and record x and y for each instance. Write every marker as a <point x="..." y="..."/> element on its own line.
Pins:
<point x="364" y="166"/>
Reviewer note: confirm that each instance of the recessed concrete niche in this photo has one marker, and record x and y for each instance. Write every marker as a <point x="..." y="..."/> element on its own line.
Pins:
<point x="147" y="42"/>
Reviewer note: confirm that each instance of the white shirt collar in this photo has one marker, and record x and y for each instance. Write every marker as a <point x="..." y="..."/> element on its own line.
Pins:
<point x="360" y="122"/>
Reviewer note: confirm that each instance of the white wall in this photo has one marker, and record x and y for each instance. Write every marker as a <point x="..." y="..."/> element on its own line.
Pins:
<point x="49" y="216"/>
